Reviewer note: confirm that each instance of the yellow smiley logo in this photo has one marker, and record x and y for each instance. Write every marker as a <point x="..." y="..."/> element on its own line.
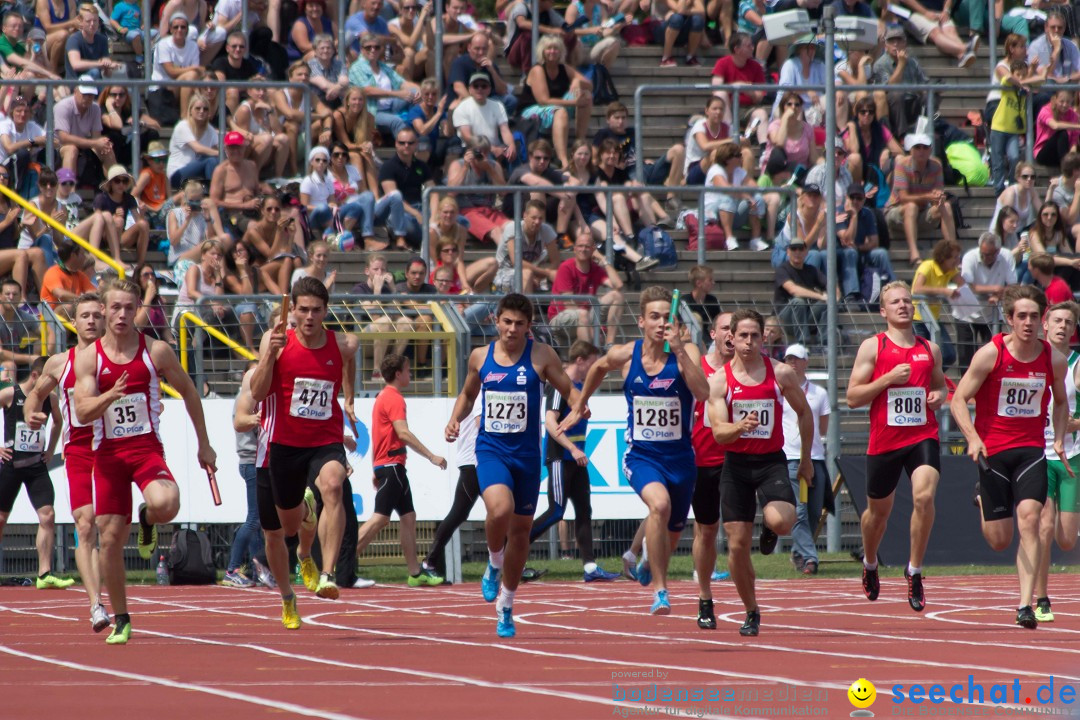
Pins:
<point x="862" y="693"/>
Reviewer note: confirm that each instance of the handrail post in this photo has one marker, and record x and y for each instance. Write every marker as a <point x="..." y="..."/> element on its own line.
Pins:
<point x="341" y="39"/>
<point x="307" y="120"/>
<point x="518" y="260"/>
<point x="639" y="166"/>
<point x="735" y="128"/>
<point x="136" y="133"/>
<point x="182" y="341"/>
<point x="701" y="229"/>
<point x="425" y="226"/>
<point x="832" y="277"/>
<point x="222" y="126"/>
<point x="148" y="41"/>
<point x="50" y="128"/>
<point x="535" y="31"/>
<point x="1029" y="127"/>
<point x="609" y="226"/>
<point x="439" y="51"/>
<point x="992" y="23"/>
<point x="930" y="109"/>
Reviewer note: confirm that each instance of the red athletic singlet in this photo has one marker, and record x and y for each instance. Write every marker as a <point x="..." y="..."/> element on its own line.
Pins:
<point x="899" y="417"/>
<point x="302" y="408"/>
<point x="75" y="433"/>
<point x="707" y="452"/>
<point x="132" y="422"/>
<point x="764" y="399"/>
<point x="1011" y="404"/>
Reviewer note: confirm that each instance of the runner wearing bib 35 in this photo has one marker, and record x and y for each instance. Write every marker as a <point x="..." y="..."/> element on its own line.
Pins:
<point x="298" y="379"/>
<point x="1010" y="380"/>
<point x="1059" y="514"/>
<point x="746" y="412"/>
<point x="660" y="389"/>
<point x="30" y="450"/>
<point x="899" y="375"/>
<point x="117" y="388"/>
<point x="59" y="374"/>
<point x="510" y="373"/>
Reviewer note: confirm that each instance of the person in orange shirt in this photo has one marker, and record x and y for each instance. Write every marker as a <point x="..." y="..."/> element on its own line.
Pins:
<point x="390" y="436"/>
<point x="152" y="187"/>
<point x="64" y="281"/>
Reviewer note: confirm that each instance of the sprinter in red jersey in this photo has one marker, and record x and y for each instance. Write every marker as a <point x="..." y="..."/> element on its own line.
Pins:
<point x="117" y="388"/>
<point x="59" y="373"/>
<point x="298" y="379"/>
<point x="1009" y="378"/>
<point x="899" y="375"/>
<point x="746" y="413"/>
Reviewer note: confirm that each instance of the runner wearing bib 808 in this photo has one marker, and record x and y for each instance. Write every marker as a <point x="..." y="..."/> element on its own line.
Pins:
<point x="509" y="373"/>
<point x="117" y="388"/>
<point x="1010" y="380"/>
<point x="660" y="389"/>
<point x="899" y="375"/>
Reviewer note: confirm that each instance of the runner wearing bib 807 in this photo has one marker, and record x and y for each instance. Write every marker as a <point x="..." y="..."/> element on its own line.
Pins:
<point x="746" y="413"/>
<point x="117" y="388"/>
<point x="660" y="389"/>
<point x="899" y="375"/>
<point x="1010" y="380"/>
<point x="1059" y="517"/>
<point x="509" y="374"/>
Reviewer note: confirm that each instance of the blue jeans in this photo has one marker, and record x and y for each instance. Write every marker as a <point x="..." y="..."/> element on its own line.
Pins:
<point x="878" y="261"/>
<point x="807" y="514"/>
<point x="801" y="317"/>
<point x="948" y="350"/>
<point x="389" y="121"/>
<point x="1004" y="154"/>
<point x="200" y="169"/>
<point x="509" y="101"/>
<point x="45" y="242"/>
<point x="414" y="234"/>
<point x="358" y="209"/>
<point x="248" y="541"/>
<point x="390" y="210"/>
<point x="847" y="266"/>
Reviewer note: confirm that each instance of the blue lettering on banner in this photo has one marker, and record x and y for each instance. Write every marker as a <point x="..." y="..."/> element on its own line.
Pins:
<point x="599" y="437"/>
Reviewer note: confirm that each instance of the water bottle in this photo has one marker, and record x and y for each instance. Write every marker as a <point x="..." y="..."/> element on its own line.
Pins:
<point x="162" y="571"/>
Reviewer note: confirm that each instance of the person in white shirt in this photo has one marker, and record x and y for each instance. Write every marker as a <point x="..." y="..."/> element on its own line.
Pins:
<point x="481" y="116"/>
<point x="987" y="271"/>
<point x="734" y="209"/>
<point x="175" y="58"/>
<point x="807" y="513"/>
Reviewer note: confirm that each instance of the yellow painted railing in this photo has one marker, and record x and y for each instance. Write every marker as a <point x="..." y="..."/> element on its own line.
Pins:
<point x="188" y="316"/>
<point x="29" y="207"/>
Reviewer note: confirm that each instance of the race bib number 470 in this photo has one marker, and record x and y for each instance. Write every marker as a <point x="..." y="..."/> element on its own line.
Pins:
<point x="312" y="399"/>
<point x="1021" y="397"/>
<point x="657" y="419"/>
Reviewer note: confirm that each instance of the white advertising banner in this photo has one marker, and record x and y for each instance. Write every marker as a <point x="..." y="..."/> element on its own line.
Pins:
<point x="433" y="489"/>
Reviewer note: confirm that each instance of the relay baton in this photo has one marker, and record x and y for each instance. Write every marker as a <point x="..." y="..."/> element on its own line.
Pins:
<point x="284" y="320"/>
<point x="213" y="486"/>
<point x="803" y="490"/>
<point x="673" y="315"/>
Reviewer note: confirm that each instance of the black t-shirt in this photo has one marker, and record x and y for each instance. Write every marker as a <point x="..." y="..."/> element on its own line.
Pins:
<point x="104" y="201"/>
<point x="618" y="177"/>
<point x="425" y="289"/>
<point x="806" y="276"/>
<point x="462" y="69"/>
<point x="625" y="140"/>
<point x="409" y="180"/>
<point x="707" y="309"/>
<point x="13" y="417"/>
<point x="244" y="72"/>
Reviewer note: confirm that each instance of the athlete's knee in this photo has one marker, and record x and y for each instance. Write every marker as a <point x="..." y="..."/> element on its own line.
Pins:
<point x="923" y="501"/>
<point x="1027" y="516"/>
<point x="660" y="507"/>
<point x="1068" y="542"/>
<point x="330" y="487"/>
<point x="166" y="507"/>
<point x="706" y="532"/>
<point x="46" y="516"/>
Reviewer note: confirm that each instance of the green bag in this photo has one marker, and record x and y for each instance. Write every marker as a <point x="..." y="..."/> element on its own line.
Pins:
<point x="966" y="161"/>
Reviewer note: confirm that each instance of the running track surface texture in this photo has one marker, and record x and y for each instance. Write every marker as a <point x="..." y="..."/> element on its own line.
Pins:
<point x="582" y="651"/>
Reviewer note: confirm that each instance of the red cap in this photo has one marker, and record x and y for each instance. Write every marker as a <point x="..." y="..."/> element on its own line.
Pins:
<point x="234" y="138"/>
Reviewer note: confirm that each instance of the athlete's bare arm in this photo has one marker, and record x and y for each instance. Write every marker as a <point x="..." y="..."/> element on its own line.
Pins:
<point x="401" y="427"/>
<point x="57" y="426"/>
<point x="348" y="344"/>
<point x="724" y="431"/>
<point x="469" y="390"/>
<point x="688" y="358"/>
<point x="551" y="424"/>
<point x="938" y="389"/>
<point x="269" y="348"/>
<point x="90" y="403"/>
<point x="794" y="396"/>
<point x="46" y="383"/>
<point x="861" y="391"/>
<point x="245" y="417"/>
<point x="614" y="359"/>
<point x="164" y="359"/>
<point x="1061" y="406"/>
<point x="553" y="372"/>
<point x="981" y="366"/>
<point x="7" y="396"/>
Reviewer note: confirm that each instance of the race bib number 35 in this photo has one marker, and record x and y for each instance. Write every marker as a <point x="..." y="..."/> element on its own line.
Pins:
<point x="907" y="406"/>
<point x="1021" y="397"/>
<point x="766" y="415"/>
<point x="27" y="440"/>
<point x="657" y="419"/>
<point x="127" y="416"/>
<point x="312" y="399"/>
<point x="505" y="412"/>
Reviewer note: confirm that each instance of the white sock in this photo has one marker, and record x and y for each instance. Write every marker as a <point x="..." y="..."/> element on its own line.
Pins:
<point x="496" y="558"/>
<point x="913" y="570"/>
<point x="868" y="565"/>
<point x="505" y="599"/>
<point x="630" y="557"/>
<point x="644" y="551"/>
<point x="590" y="567"/>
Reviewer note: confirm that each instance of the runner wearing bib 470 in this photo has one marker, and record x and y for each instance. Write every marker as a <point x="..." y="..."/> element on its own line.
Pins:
<point x="1059" y="514"/>
<point x="1011" y="379"/>
<point x="746" y="413"/>
<point x="509" y="372"/>
<point x="899" y="375"/>
<point x="117" y="388"/>
<point x="660" y="389"/>
<point x="59" y="374"/>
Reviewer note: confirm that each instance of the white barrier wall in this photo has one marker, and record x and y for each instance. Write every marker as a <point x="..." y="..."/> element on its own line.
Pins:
<point x="433" y="489"/>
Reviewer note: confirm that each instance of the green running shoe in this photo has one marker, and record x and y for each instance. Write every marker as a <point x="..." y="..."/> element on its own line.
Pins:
<point x="426" y="577"/>
<point x="309" y="573"/>
<point x="120" y="634"/>
<point x="51" y="582"/>
<point x="147" y="541"/>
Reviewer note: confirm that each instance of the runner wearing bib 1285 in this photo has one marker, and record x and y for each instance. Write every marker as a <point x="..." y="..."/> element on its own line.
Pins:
<point x="1010" y="380"/>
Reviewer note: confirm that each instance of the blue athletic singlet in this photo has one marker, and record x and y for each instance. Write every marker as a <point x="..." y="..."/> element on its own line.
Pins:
<point x="660" y="411"/>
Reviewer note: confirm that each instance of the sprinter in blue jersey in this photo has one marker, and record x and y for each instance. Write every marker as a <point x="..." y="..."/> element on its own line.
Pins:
<point x="660" y="389"/>
<point x="510" y="373"/>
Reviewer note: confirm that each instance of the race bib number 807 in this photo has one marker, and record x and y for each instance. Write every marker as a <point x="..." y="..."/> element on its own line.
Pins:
<point x="1021" y="397"/>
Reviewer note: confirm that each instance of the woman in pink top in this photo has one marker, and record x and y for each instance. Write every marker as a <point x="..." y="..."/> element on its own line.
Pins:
<point x="792" y="133"/>
<point x="1056" y="130"/>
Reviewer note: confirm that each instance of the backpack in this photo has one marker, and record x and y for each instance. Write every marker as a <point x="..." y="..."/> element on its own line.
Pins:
<point x="715" y="239"/>
<point x="191" y="561"/>
<point x="967" y="163"/>
<point x="658" y="244"/>
<point x="603" y="86"/>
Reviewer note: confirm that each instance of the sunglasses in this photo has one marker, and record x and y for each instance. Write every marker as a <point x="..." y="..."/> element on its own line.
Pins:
<point x="68" y="183"/>
<point x="1027" y="176"/>
<point x="794" y="104"/>
<point x="409" y="7"/>
<point x="406" y="142"/>
<point x="797" y="248"/>
<point x="857" y="198"/>
<point x="449" y="250"/>
<point x="174" y="28"/>
<point x="541" y="158"/>
<point x="373" y="47"/>
<point x="319" y="160"/>
<point x="47" y="184"/>
<point x="4" y="176"/>
<point x="339" y="154"/>
<point x="866" y="112"/>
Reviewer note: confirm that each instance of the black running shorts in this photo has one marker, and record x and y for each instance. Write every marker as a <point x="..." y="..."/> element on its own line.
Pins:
<point x="745" y="476"/>
<point x="292" y="469"/>
<point x="39" y="487"/>
<point x="268" y="517"/>
<point x="394" y="493"/>
<point x="883" y="471"/>
<point x="706" y="500"/>
<point x="1014" y="475"/>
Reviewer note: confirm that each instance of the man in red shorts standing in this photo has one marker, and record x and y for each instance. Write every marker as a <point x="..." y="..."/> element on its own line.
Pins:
<point x="118" y="389"/>
<point x="1009" y="378"/>
<point x="78" y="437"/>
<point x="899" y="375"/>
<point x="298" y="379"/>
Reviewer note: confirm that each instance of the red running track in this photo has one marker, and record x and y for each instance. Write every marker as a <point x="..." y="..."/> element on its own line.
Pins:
<point x="397" y="653"/>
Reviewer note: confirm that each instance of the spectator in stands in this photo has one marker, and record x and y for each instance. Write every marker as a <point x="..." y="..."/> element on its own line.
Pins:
<point x="458" y="27"/>
<point x="799" y="293"/>
<point x="368" y="19"/>
<point x="554" y="93"/>
<point x="1065" y="191"/>
<point x="1016" y="48"/>
<point x="871" y="147"/>
<point x="479" y="116"/>
<point x="59" y="19"/>
<point x="1057" y="54"/>
<point x="739" y="68"/>
<point x="593" y="206"/>
<point x="329" y="76"/>
<point x="403" y="173"/>
<point x="538" y="173"/>
<point x="811" y="228"/>
<point x="87" y="51"/>
<point x="856" y="227"/>
<point x="21" y="139"/>
<point x="519" y="51"/>
<point x="624" y="205"/>
<point x="235" y="187"/>
<point x="388" y="94"/>
<point x="241" y="278"/>
<point x="206" y="279"/>
<point x="803" y="67"/>
<point x="13" y="261"/>
<point x="263" y="133"/>
<point x="311" y="22"/>
<point x="380" y="281"/>
<point x="1006" y="228"/>
<point x="584" y="274"/>
<point x="65" y="281"/>
<point x="429" y="118"/>
<point x="793" y="133"/>
<point x="193" y="147"/>
<point x="667" y="170"/>
<point x="478" y="60"/>
<point x="1057" y="129"/>
<point x="237" y="66"/>
<point x="415" y="282"/>
<point x="20" y="331"/>
<point x="271" y="241"/>
<point x="1049" y="234"/>
<point x="77" y="119"/>
<point x="929" y="22"/>
<point x="150" y="317"/>
<point x="539" y="252"/>
<point x="1020" y="196"/>
<point x="938" y="277"/>
<point x="408" y="29"/>
<point x="856" y="69"/>
<point x="704" y="136"/>
<point x="196" y="12"/>
<point x="291" y="103"/>
<point x="1042" y="267"/>
<point x="808" y="225"/>
<point x="896" y="66"/>
<point x="118" y="123"/>
<point x="918" y="203"/>
<point x="477" y="167"/>
<point x="597" y="29"/>
<point x="355" y="126"/>
<point x="680" y="23"/>
<point x="124" y="223"/>
<point x="986" y="270"/>
<point x="1008" y="125"/>
<point x="816" y="176"/>
<point x="387" y="207"/>
<point x="773" y="340"/>
<point x="175" y="58"/>
<point x="701" y="301"/>
<point x="448" y="245"/>
<point x="13" y="48"/>
<point x="191" y="222"/>
<point x="37" y="237"/>
<point x="734" y="209"/>
<point x="10" y="212"/>
<point x="317" y="267"/>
